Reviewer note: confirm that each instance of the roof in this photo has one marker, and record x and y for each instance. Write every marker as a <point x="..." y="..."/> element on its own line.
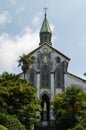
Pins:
<point x="51" y="48"/>
<point x="45" y="26"/>
<point x="76" y="77"/>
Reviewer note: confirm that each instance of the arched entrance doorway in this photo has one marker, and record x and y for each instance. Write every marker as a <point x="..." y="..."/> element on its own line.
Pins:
<point x="45" y="104"/>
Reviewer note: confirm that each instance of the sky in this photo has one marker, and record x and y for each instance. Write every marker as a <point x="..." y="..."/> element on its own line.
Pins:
<point x="20" y="23"/>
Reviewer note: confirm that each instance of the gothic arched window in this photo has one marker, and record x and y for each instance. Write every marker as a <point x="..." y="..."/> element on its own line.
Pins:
<point x="58" y="59"/>
<point x="32" y="76"/>
<point x="45" y="76"/>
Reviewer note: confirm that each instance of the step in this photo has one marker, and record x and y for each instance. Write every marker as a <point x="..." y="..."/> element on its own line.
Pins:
<point x="45" y="125"/>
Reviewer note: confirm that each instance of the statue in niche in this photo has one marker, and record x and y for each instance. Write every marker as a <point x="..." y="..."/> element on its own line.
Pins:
<point x="45" y="60"/>
<point x="45" y="106"/>
<point x="45" y="111"/>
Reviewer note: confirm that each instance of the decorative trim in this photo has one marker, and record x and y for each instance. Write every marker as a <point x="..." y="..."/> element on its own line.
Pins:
<point x="46" y="94"/>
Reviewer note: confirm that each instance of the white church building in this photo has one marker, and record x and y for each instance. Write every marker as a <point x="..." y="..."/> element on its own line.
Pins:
<point x="49" y="72"/>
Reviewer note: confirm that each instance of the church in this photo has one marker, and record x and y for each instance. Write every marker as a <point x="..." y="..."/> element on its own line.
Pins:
<point x="49" y="72"/>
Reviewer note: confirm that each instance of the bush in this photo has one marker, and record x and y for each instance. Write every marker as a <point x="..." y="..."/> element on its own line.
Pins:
<point x="66" y="121"/>
<point x="69" y="109"/>
<point x="10" y="122"/>
<point x="78" y="127"/>
<point x="3" y="128"/>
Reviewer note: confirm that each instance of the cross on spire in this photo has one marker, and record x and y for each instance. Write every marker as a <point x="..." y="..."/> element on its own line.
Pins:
<point x="45" y="11"/>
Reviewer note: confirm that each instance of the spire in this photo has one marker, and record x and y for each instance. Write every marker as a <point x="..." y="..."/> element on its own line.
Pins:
<point x="45" y="26"/>
<point x="45" y="32"/>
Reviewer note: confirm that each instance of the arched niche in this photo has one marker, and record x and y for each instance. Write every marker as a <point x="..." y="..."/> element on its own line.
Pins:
<point x="45" y="105"/>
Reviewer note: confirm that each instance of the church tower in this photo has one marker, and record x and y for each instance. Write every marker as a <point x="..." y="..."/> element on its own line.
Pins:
<point x="45" y="32"/>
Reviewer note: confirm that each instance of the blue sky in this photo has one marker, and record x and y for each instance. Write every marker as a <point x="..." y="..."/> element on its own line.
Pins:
<point x="20" y="23"/>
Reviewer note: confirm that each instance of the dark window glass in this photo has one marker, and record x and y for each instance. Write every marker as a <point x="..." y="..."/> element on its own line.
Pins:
<point x="45" y="76"/>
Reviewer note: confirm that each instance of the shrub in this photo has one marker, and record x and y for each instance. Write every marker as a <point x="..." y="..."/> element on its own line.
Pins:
<point x="10" y="122"/>
<point x="78" y="127"/>
<point x="66" y="121"/>
<point x="3" y="128"/>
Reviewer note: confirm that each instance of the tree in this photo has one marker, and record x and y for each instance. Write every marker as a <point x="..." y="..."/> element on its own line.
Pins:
<point x="10" y="122"/>
<point x="84" y="74"/>
<point x="68" y="106"/>
<point x="25" y="61"/>
<point x="18" y="98"/>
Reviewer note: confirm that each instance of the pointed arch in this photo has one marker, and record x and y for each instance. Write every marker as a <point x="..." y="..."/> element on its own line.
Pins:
<point x="45" y="99"/>
<point x="45" y="93"/>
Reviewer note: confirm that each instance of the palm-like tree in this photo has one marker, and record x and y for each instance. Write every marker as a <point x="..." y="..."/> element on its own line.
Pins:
<point x="84" y="74"/>
<point x="25" y="61"/>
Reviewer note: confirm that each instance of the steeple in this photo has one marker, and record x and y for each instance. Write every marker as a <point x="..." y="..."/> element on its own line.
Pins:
<point x="45" y="32"/>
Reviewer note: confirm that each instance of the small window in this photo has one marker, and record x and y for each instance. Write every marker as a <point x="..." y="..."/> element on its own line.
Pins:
<point x="45" y="39"/>
<point x="41" y="40"/>
<point x="58" y="59"/>
<point x="33" y="58"/>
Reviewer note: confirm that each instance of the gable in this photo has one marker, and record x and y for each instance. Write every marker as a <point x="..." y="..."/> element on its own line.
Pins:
<point x="50" y="49"/>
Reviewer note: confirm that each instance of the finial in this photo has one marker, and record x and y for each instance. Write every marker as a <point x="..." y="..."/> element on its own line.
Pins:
<point x="45" y="11"/>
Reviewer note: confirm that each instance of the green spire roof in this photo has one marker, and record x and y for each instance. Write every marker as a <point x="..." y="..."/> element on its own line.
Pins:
<point x="45" y="26"/>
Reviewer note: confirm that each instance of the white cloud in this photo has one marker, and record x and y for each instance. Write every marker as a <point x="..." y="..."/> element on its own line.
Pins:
<point x="52" y="27"/>
<point x="12" y="47"/>
<point x="5" y="17"/>
<point x="35" y="21"/>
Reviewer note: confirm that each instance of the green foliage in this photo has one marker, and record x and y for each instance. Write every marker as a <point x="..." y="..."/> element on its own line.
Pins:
<point x="3" y="128"/>
<point x="67" y="120"/>
<point x="81" y="121"/>
<point x="10" y="122"/>
<point x="18" y="98"/>
<point x="78" y="127"/>
<point x="84" y="74"/>
<point x="68" y="107"/>
<point x="25" y="61"/>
